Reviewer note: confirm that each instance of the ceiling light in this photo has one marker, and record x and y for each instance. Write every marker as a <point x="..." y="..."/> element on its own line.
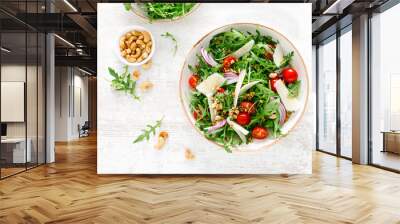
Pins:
<point x="5" y="50"/>
<point x="70" y="5"/>
<point x="84" y="71"/>
<point x="64" y="40"/>
<point x="337" y="7"/>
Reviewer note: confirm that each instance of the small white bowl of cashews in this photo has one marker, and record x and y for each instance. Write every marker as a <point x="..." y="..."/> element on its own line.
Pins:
<point x="135" y="45"/>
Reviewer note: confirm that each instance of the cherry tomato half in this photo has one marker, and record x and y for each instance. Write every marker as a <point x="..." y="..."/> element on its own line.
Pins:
<point x="272" y="84"/>
<point x="243" y="118"/>
<point x="220" y="90"/>
<point x="289" y="75"/>
<point x="248" y="107"/>
<point x="193" y="80"/>
<point x="259" y="132"/>
<point x="228" y="61"/>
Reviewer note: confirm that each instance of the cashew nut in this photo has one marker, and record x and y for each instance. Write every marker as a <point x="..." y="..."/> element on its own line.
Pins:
<point x="131" y="59"/>
<point x="137" y="53"/>
<point x="136" y="33"/>
<point x="147" y="65"/>
<point x="148" y="49"/>
<point x="139" y="42"/>
<point x="133" y="46"/>
<point x="122" y="43"/>
<point x="144" y="55"/>
<point x="162" y="139"/>
<point x="189" y="154"/>
<point x="135" y="74"/>
<point x="130" y="40"/>
<point x="146" y="37"/>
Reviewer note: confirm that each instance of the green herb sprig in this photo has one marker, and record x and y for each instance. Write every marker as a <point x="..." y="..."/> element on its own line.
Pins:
<point x="170" y="36"/>
<point x="123" y="82"/>
<point x="128" y="6"/>
<point x="151" y="129"/>
<point x="294" y="89"/>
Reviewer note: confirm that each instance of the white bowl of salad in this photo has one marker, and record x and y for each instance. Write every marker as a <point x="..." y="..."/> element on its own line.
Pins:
<point x="163" y="12"/>
<point x="244" y="86"/>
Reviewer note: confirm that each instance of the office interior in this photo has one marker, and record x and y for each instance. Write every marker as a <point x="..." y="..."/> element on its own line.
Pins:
<point x="49" y="93"/>
<point x="48" y="76"/>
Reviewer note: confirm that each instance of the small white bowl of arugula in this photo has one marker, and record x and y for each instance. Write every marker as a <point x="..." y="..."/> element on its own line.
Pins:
<point x="162" y="12"/>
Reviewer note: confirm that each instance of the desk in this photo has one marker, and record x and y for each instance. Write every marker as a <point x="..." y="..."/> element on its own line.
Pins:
<point x="18" y="149"/>
<point x="391" y="141"/>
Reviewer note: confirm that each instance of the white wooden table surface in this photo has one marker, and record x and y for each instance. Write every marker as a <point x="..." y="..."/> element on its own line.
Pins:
<point x="120" y="118"/>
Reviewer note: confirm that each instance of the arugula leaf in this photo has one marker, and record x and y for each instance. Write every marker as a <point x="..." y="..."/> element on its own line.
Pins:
<point x="123" y="82"/>
<point x="128" y="6"/>
<point x="286" y="60"/>
<point x="113" y="72"/>
<point x="169" y="35"/>
<point x="151" y="129"/>
<point x="294" y="88"/>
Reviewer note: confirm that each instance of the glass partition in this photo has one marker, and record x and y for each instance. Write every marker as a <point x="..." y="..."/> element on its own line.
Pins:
<point x="385" y="89"/>
<point x="327" y="96"/>
<point x="32" y="98"/>
<point x="41" y="107"/>
<point x="13" y="105"/>
<point x="23" y="89"/>
<point x="346" y="93"/>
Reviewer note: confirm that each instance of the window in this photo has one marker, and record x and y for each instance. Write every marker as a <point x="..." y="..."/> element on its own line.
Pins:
<point x="22" y="77"/>
<point x="346" y="92"/>
<point x="385" y="89"/>
<point x="327" y="96"/>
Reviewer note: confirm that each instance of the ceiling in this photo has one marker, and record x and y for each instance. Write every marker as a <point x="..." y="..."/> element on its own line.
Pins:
<point x="75" y="22"/>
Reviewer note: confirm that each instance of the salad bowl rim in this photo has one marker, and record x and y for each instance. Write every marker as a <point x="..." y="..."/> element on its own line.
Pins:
<point x="241" y="147"/>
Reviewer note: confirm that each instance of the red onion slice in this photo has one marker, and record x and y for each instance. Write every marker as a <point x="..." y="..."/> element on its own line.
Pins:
<point x="231" y="77"/>
<point x="230" y="74"/>
<point x="282" y="114"/>
<point x="216" y="126"/>
<point x="208" y="58"/>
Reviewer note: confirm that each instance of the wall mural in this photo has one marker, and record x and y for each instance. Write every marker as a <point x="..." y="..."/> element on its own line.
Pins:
<point x="188" y="88"/>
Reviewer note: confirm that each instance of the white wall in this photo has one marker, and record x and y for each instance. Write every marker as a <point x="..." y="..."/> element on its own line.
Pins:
<point x="62" y="81"/>
<point x="12" y="73"/>
<point x="80" y="109"/>
<point x="70" y="83"/>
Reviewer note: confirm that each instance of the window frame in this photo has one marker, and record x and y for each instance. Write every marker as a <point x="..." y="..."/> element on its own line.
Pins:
<point x="334" y="37"/>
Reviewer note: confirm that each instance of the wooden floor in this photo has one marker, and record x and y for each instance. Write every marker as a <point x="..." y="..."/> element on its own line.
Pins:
<point x="387" y="159"/>
<point x="69" y="191"/>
